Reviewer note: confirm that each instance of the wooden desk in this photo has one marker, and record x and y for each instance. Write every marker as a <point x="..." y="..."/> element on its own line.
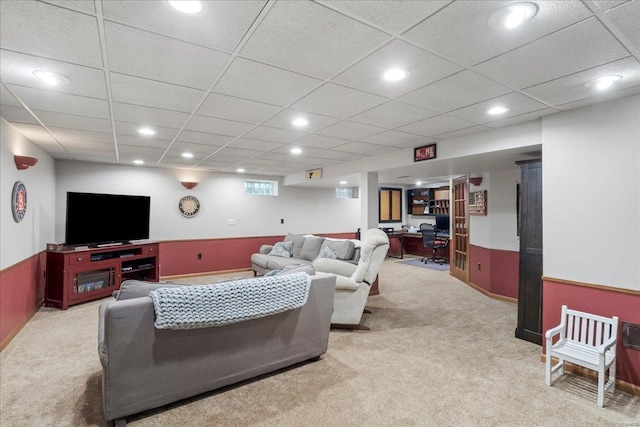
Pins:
<point x="412" y="244"/>
<point x="398" y="235"/>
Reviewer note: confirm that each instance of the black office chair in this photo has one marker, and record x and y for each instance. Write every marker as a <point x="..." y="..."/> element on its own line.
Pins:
<point x="430" y="241"/>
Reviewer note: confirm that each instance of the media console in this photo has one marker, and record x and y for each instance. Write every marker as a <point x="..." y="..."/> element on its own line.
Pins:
<point x="76" y="276"/>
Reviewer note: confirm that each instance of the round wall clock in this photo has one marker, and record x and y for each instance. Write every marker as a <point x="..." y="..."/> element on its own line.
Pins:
<point x="19" y="201"/>
<point x="189" y="206"/>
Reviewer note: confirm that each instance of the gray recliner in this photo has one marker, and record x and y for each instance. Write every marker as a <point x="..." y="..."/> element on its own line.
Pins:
<point x="353" y="282"/>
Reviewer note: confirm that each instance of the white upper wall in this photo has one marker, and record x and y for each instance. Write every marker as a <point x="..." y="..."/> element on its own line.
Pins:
<point x="591" y="194"/>
<point x="23" y="239"/>
<point x="221" y="196"/>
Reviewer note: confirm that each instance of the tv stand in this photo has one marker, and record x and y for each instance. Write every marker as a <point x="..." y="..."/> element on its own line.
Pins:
<point x="81" y="275"/>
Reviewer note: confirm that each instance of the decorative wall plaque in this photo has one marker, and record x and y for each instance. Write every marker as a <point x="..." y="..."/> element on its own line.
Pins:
<point x="189" y="206"/>
<point x="426" y="152"/>
<point x="19" y="201"/>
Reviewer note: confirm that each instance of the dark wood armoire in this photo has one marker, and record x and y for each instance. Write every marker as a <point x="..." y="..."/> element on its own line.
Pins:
<point x="530" y="277"/>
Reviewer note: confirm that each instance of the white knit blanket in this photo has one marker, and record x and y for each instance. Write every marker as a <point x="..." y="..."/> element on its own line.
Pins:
<point x="202" y="306"/>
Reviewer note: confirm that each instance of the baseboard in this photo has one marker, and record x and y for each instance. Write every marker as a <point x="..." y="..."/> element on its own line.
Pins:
<point x="204" y="273"/>
<point x="5" y="342"/>
<point x="593" y="375"/>
<point x="491" y="295"/>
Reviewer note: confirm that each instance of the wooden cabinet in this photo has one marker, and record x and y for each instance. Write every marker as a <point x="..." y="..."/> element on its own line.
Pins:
<point x="74" y="277"/>
<point x="530" y="276"/>
<point x="428" y="201"/>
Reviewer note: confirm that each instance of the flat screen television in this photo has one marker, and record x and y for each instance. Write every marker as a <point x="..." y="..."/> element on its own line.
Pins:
<point x="94" y="219"/>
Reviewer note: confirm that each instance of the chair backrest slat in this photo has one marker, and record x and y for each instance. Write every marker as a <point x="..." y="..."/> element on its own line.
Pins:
<point x="569" y="329"/>
<point x="599" y="338"/>
<point x="592" y="325"/>
<point x="583" y="330"/>
<point x="586" y="328"/>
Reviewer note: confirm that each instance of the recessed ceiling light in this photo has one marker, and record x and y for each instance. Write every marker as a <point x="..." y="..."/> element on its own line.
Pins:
<point x="512" y="16"/>
<point x="418" y="182"/>
<point x="146" y="131"/>
<point x="296" y="150"/>
<point x="138" y="162"/>
<point x="343" y="182"/>
<point x="497" y="110"/>
<point x="394" y="74"/>
<point x="50" y="78"/>
<point x="187" y="155"/>
<point x="603" y="83"/>
<point x="240" y="170"/>
<point x="300" y="121"/>
<point x="188" y="7"/>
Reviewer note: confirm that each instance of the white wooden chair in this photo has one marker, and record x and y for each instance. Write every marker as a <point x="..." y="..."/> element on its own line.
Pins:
<point x="587" y="340"/>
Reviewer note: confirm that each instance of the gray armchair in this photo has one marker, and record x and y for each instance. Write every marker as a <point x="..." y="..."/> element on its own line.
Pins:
<point x="354" y="281"/>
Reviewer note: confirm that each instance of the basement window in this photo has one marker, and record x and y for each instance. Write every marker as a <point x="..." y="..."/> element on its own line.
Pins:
<point x="260" y="187"/>
<point x="346" y="192"/>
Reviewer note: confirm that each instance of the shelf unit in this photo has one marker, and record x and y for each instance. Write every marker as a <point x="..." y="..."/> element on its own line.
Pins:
<point x="478" y="202"/>
<point x="77" y="276"/>
<point x="428" y="201"/>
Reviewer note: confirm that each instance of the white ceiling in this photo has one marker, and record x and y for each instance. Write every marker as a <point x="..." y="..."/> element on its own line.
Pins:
<point x="225" y="85"/>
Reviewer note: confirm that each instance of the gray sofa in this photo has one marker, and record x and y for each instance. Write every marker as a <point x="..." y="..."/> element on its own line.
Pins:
<point x="144" y="367"/>
<point x="303" y="250"/>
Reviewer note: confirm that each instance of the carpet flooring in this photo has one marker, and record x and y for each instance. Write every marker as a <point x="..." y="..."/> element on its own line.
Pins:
<point x="439" y="353"/>
<point x="430" y="265"/>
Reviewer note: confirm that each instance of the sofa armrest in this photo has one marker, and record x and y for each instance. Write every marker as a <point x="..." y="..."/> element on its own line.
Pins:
<point x="137" y="288"/>
<point x="265" y="249"/>
<point x="338" y="267"/>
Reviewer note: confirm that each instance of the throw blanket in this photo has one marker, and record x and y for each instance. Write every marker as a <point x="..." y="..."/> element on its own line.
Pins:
<point x="202" y="306"/>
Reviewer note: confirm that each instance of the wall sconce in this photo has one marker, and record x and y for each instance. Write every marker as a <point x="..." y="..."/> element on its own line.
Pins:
<point x="476" y="181"/>
<point x="24" y="162"/>
<point x="189" y="184"/>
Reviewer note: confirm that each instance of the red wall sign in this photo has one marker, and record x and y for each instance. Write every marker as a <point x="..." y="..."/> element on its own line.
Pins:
<point x="424" y="153"/>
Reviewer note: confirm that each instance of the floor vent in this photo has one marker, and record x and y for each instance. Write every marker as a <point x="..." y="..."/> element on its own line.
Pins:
<point x="631" y="335"/>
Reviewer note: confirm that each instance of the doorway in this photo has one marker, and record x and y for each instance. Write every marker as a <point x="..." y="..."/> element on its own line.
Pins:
<point x="460" y="229"/>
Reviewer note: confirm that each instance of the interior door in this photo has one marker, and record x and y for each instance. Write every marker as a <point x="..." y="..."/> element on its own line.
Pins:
<point x="460" y="229"/>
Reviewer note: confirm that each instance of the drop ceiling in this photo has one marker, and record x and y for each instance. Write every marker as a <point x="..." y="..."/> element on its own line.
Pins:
<point x="225" y="85"/>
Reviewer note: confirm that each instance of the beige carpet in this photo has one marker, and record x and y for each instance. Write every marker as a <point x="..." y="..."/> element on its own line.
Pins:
<point x="439" y="354"/>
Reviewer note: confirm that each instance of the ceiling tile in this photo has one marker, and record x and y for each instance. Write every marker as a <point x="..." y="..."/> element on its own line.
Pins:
<point x="17" y="115"/>
<point x="223" y="26"/>
<point x="190" y="147"/>
<point x="37" y="134"/>
<point x="108" y="152"/>
<point x="315" y="50"/>
<point x="281" y="136"/>
<point x="6" y="98"/>
<point x="135" y="90"/>
<point x="239" y="152"/>
<point x="34" y="28"/>
<point x="572" y="88"/>
<point x="436" y="125"/>
<point x="350" y="130"/>
<point x="423" y="68"/>
<point x="358" y="147"/>
<point x="254" y="144"/>
<point x="320" y="141"/>
<point x="626" y="18"/>
<point x="38" y="99"/>
<point x="604" y="97"/>
<point x="263" y="83"/>
<point x="608" y="4"/>
<point x="81" y="136"/>
<point x="162" y="58"/>
<point x="392" y="16"/>
<point x="393" y="114"/>
<point x="204" y="138"/>
<point x="73" y="122"/>
<point x="522" y="118"/>
<point x="462" y="132"/>
<point x="337" y="101"/>
<point x="95" y="159"/>
<point x="148" y="115"/>
<point x="231" y="108"/>
<point x="152" y="152"/>
<point x="457" y="91"/>
<point x="391" y="138"/>
<point x="339" y="156"/>
<point x="143" y="141"/>
<point x="18" y="69"/>
<point x="474" y="41"/>
<point x="281" y="157"/>
<point x="565" y="52"/>
<point x="284" y="118"/>
<point x="518" y="104"/>
<point x="217" y="126"/>
<point x="79" y="5"/>
<point x="124" y="128"/>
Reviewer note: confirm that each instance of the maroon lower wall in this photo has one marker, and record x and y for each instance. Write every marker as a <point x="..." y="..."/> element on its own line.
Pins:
<point x="603" y="301"/>
<point x="181" y="256"/>
<point x="494" y="270"/>
<point x="21" y="294"/>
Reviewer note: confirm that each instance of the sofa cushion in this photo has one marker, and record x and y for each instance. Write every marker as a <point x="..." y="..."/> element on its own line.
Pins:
<point x="278" y="263"/>
<point x="311" y="248"/>
<point x="282" y="249"/>
<point x="300" y="268"/>
<point x="343" y="249"/>
<point x="137" y="288"/>
<point x="298" y="241"/>
<point x="326" y="252"/>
